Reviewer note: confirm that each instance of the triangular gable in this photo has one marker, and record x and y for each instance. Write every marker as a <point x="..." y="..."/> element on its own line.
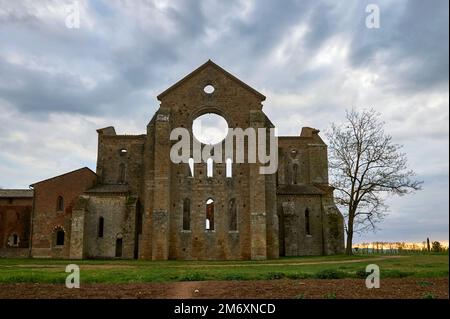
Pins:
<point x="214" y="65"/>
<point x="68" y="173"/>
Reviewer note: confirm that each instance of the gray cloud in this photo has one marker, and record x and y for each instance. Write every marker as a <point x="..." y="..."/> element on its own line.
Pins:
<point x="412" y="43"/>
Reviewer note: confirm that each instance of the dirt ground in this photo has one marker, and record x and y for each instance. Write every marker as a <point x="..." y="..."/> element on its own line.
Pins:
<point x="278" y="289"/>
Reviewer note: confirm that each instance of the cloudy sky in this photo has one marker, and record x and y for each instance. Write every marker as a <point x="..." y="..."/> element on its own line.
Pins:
<point x="312" y="59"/>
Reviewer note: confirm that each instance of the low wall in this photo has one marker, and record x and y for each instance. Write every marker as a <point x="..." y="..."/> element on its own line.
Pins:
<point x="14" y="252"/>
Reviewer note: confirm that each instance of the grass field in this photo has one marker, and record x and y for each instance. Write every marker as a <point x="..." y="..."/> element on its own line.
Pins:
<point x="140" y="271"/>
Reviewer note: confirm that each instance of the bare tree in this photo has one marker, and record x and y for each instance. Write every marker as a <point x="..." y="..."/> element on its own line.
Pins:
<point x="366" y="165"/>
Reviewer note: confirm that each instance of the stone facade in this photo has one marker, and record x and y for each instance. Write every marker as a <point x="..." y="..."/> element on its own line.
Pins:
<point x="304" y="198"/>
<point x="145" y="206"/>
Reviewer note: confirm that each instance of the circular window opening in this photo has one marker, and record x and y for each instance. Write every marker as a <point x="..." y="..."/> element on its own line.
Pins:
<point x="209" y="89"/>
<point x="210" y="128"/>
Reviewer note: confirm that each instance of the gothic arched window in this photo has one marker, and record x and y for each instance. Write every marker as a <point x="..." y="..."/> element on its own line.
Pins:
<point x="209" y="222"/>
<point x="209" y="167"/>
<point x="229" y="168"/>
<point x="191" y="167"/>
<point x="60" y="204"/>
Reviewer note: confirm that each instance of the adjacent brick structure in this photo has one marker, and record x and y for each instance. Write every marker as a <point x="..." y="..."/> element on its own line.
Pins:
<point x="52" y="212"/>
<point x="15" y="214"/>
<point x="145" y="206"/>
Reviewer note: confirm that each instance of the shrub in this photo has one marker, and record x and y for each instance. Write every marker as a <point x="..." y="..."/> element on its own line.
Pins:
<point x="330" y="295"/>
<point x="234" y="277"/>
<point x="361" y="274"/>
<point x="428" y="295"/>
<point x="296" y="275"/>
<point x="424" y="283"/>
<point x="193" y="277"/>
<point x="330" y="274"/>
<point x="397" y="273"/>
<point x="275" y="275"/>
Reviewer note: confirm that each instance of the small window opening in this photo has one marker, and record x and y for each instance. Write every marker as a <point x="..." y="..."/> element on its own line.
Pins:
<point x="209" y="89"/>
<point x="229" y="168"/>
<point x="60" y="204"/>
<point x="191" y="167"/>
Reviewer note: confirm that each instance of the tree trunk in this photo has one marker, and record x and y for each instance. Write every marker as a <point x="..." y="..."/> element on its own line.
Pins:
<point x="349" y="246"/>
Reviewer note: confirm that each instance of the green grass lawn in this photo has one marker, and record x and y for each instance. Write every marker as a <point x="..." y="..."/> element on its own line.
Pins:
<point x="135" y="271"/>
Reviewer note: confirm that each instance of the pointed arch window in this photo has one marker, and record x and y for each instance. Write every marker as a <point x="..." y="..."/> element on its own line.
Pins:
<point x="229" y="168"/>
<point x="209" y="167"/>
<point x="60" y="204"/>
<point x="209" y="222"/>
<point x="191" y="167"/>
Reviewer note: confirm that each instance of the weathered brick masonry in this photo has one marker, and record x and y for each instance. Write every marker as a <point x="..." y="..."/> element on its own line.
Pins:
<point x="15" y="214"/>
<point x="54" y="199"/>
<point x="140" y="204"/>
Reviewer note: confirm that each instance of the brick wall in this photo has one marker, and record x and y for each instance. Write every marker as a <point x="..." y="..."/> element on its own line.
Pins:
<point x="15" y="214"/>
<point x="47" y="219"/>
<point x="117" y="153"/>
